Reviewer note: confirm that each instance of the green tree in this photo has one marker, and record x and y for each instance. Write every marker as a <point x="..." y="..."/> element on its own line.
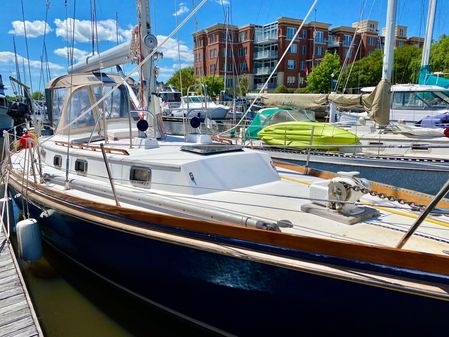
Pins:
<point x="319" y="80"/>
<point x="214" y="85"/>
<point x="362" y="73"/>
<point x="243" y="86"/>
<point x="281" y="89"/>
<point x="187" y="76"/>
<point x="407" y="60"/>
<point x="37" y="95"/>
<point x="439" y="60"/>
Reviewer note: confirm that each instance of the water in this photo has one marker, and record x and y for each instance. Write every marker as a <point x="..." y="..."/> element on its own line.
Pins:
<point x="71" y="302"/>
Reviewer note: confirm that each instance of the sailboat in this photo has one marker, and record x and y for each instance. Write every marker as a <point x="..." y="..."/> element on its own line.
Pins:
<point x="220" y="235"/>
<point x="402" y="139"/>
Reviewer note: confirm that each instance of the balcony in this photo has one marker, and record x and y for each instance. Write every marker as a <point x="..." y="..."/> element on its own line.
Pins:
<point x="259" y="86"/>
<point x="266" y="54"/>
<point x="265" y="39"/>
<point x="263" y="71"/>
<point x="332" y="43"/>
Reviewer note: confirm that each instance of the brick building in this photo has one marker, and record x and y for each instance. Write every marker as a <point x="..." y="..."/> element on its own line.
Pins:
<point x="254" y="50"/>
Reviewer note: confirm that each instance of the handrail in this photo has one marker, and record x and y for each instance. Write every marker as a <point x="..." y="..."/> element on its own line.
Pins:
<point x="92" y="147"/>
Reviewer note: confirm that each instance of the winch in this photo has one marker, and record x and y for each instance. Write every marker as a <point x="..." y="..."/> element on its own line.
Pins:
<point x="338" y="198"/>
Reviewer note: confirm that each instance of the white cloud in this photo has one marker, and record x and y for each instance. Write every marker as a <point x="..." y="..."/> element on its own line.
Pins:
<point x="182" y="9"/>
<point x="7" y="57"/>
<point x="223" y="2"/>
<point x="77" y="53"/>
<point x="107" y="30"/>
<point x="166" y="72"/>
<point x="170" y="49"/>
<point x="33" y="29"/>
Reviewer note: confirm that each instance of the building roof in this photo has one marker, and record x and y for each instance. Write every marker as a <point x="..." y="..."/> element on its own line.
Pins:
<point x="343" y="29"/>
<point x="318" y="24"/>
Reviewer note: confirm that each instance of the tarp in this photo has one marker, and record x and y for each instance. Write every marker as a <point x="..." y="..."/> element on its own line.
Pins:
<point x="376" y="103"/>
<point x="259" y="122"/>
<point x="269" y="116"/>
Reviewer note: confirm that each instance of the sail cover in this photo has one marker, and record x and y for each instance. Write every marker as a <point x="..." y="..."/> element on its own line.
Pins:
<point x="376" y="103"/>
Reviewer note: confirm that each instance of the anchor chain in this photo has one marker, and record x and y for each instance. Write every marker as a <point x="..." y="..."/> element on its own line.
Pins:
<point x="415" y="206"/>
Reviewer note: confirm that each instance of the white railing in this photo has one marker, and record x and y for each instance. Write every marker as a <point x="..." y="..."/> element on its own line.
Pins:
<point x="263" y="70"/>
<point x="265" y="54"/>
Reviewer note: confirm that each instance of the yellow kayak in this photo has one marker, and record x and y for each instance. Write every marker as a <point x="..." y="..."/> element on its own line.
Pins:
<point x="297" y="134"/>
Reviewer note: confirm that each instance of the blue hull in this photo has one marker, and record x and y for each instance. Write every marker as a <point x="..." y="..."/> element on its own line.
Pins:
<point x="236" y="295"/>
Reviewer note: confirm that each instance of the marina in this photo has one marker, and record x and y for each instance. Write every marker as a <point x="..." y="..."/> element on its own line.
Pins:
<point x="253" y="198"/>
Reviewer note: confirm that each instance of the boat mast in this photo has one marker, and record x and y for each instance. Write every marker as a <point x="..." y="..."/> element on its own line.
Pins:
<point x="425" y="64"/>
<point x="388" y="56"/>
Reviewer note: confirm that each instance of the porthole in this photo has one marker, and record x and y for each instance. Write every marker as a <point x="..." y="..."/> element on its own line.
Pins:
<point x="81" y="166"/>
<point x="140" y="175"/>
<point x="57" y="161"/>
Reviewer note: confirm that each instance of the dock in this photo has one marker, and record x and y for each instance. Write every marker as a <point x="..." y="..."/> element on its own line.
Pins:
<point x="17" y="315"/>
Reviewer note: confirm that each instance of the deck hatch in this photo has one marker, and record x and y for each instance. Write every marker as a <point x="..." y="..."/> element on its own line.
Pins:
<point x="208" y="149"/>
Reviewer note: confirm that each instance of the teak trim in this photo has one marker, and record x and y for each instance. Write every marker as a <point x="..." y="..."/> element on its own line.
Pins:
<point x="92" y="147"/>
<point x="397" y="258"/>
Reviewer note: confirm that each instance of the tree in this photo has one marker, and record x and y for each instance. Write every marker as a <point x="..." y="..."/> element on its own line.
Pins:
<point x="407" y="61"/>
<point x="37" y="95"/>
<point x="320" y="79"/>
<point x="281" y="89"/>
<point x="214" y="85"/>
<point x="243" y="86"/>
<point x="363" y="73"/>
<point x="187" y="76"/>
<point x="439" y="60"/>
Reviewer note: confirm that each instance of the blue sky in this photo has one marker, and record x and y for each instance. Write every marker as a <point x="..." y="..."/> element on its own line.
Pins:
<point x="337" y="12"/>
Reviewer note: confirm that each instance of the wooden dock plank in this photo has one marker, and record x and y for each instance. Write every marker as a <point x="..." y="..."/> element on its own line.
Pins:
<point x="17" y="317"/>
<point x="11" y="328"/>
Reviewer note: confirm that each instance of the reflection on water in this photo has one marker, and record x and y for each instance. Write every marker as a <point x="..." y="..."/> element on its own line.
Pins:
<point x="71" y="302"/>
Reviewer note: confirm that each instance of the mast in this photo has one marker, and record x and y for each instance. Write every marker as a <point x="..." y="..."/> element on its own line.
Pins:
<point x="387" y="66"/>
<point x="425" y="64"/>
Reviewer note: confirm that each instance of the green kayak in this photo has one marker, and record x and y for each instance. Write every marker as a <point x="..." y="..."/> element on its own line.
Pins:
<point x="297" y="134"/>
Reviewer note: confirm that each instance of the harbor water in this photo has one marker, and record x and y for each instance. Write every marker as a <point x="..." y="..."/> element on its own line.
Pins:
<point x="71" y="302"/>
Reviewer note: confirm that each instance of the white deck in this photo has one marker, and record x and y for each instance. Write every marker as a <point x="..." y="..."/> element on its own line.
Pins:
<point x="242" y="183"/>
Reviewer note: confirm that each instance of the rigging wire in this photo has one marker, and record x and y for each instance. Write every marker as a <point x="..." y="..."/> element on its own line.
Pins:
<point x="26" y="45"/>
<point x="179" y="50"/>
<point x="44" y="55"/>
<point x="126" y="78"/>
<point x="259" y="94"/>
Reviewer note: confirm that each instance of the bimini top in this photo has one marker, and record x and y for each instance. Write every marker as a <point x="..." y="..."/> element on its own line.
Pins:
<point x="84" y="79"/>
<point x="410" y="88"/>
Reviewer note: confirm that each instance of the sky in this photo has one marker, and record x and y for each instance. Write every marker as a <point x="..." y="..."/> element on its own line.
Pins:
<point x="51" y="17"/>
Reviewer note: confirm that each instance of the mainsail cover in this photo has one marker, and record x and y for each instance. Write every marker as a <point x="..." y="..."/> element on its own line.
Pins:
<point x="376" y="103"/>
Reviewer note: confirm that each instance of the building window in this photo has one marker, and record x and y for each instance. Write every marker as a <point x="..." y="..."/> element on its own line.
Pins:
<point x="81" y="166"/>
<point x="212" y="68"/>
<point x="372" y="41"/>
<point x="213" y="53"/>
<point x="319" y="51"/>
<point x="319" y="37"/>
<point x="140" y="175"/>
<point x="401" y="32"/>
<point x="57" y="161"/>
<point x="213" y="38"/>
<point x="293" y="48"/>
<point x="291" y="79"/>
<point x="291" y="31"/>
<point x="304" y="34"/>
<point x="347" y="39"/>
<point x="349" y="53"/>
<point x="400" y="43"/>
<point x="303" y="50"/>
<point x="243" y="67"/>
<point x="371" y="27"/>
<point x="229" y="83"/>
<point x="291" y="64"/>
<point x="243" y="36"/>
<point x="302" y="65"/>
